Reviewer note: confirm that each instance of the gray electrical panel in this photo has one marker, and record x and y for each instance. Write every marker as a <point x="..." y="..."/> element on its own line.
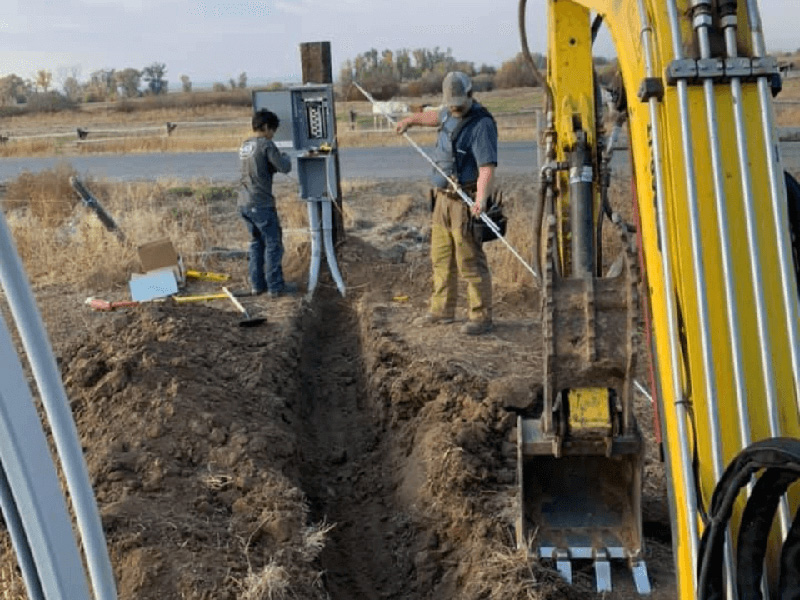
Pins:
<point x="306" y="114"/>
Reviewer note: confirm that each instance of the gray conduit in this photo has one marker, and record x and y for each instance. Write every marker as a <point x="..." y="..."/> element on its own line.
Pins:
<point x="702" y="23"/>
<point x="779" y="202"/>
<point x="330" y="253"/>
<point x="771" y="394"/>
<point x="709" y="372"/>
<point x="681" y="415"/>
<point x="25" y="559"/>
<point x="56" y="405"/>
<point x="315" y="230"/>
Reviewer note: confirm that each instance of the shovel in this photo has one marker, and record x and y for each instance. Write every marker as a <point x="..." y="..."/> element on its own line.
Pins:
<point x="248" y="321"/>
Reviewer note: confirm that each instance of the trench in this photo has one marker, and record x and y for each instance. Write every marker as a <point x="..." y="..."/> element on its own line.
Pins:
<point x="347" y="471"/>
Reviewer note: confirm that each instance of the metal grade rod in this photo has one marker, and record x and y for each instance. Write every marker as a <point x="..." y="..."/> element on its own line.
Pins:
<point x="467" y="200"/>
<point x="56" y="405"/>
<point x="765" y="344"/>
<point x="681" y="413"/>
<point x="779" y="202"/>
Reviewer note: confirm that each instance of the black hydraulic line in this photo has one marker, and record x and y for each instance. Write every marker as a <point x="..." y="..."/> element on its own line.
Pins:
<point x="526" y="53"/>
<point x="754" y="532"/>
<point x="775" y="453"/>
<point x="596" y="24"/>
<point x="789" y="582"/>
<point x="793" y="199"/>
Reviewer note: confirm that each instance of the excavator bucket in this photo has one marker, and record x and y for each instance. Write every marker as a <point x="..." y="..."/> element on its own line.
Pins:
<point x="580" y="452"/>
<point x="583" y="507"/>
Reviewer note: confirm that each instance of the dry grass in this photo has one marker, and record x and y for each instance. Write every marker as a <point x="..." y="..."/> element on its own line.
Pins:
<point x="60" y="240"/>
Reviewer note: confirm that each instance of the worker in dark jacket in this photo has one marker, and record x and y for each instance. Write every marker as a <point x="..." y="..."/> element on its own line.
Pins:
<point x="466" y="150"/>
<point x="260" y="160"/>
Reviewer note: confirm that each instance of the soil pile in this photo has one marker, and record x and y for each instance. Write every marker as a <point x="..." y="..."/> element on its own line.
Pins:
<point x="337" y="451"/>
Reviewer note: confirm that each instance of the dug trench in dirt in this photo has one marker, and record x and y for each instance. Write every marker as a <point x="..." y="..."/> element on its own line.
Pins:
<point x="335" y="452"/>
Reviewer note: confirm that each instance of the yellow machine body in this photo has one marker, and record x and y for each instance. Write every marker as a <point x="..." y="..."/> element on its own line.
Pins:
<point x="711" y="396"/>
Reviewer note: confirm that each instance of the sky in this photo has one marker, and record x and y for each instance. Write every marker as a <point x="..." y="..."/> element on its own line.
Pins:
<point x="216" y="40"/>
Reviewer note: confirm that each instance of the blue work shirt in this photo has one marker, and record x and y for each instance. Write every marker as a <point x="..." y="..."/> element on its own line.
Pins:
<point x="475" y="147"/>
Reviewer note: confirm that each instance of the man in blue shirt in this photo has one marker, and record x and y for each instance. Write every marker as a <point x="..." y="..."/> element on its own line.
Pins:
<point x="260" y="159"/>
<point x="466" y="150"/>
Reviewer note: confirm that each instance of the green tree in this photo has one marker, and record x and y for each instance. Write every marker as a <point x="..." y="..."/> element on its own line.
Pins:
<point x="153" y="75"/>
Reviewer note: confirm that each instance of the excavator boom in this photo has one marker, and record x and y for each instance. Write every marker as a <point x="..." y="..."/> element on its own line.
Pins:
<point x="717" y="274"/>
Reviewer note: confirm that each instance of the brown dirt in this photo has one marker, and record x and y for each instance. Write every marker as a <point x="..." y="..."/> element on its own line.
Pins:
<point x="336" y="451"/>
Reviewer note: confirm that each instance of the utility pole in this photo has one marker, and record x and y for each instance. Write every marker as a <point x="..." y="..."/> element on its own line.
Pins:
<point x="316" y="63"/>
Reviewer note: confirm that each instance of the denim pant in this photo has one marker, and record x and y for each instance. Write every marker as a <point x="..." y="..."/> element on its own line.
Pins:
<point x="266" y="247"/>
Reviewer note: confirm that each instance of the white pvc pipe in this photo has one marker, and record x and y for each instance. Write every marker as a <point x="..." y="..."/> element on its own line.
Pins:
<point x="315" y="230"/>
<point x="330" y="252"/>
<point x="56" y="405"/>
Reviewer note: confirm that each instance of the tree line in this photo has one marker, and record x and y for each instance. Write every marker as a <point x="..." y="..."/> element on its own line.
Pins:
<point x="417" y="72"/>
<point x="66" y="88"/>
<point x="385" y="74"/>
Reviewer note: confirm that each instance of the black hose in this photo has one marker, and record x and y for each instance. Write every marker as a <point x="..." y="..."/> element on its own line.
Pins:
<point x="754" y="531"/>
<point x="526" y="53"/>
<point x="789" y="583"/>
<point x="781" y="455"/>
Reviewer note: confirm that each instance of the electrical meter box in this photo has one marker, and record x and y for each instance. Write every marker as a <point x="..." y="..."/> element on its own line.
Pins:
<point x="306" y="114"/>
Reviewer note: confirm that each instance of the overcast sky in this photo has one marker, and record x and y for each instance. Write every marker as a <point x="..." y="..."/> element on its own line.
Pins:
<point x="215" y="40"/>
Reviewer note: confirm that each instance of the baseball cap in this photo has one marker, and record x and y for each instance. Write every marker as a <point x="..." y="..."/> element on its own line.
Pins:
<point x="456" y="88"/>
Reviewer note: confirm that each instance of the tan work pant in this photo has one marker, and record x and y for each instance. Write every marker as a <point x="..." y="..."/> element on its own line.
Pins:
<point x="453" y="246"/>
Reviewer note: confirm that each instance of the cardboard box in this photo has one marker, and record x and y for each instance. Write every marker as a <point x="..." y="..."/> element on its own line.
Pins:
<point x="158" y="283"/>
<point x="161" y="254"/>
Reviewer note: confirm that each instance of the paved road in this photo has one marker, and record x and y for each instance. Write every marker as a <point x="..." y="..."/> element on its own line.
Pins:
<point x="401" y="162"/>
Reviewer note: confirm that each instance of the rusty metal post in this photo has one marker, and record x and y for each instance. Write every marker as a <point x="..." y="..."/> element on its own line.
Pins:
<point x="317" y="68"/>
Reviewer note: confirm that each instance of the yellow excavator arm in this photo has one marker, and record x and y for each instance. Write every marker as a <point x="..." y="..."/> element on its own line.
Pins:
<point x="717" y="273"/>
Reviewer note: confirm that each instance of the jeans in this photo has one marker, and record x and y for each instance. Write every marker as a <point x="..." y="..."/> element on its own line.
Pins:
<point x="266" y="248"/>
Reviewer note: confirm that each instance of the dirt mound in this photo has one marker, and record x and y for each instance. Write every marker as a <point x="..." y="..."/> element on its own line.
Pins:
<point x="336" y="452"/>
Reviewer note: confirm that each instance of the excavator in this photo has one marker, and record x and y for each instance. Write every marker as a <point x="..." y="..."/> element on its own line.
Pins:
<point x="703" y="296"/>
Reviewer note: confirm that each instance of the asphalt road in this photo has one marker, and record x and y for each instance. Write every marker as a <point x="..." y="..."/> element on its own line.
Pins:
<point x="401" y="162"/>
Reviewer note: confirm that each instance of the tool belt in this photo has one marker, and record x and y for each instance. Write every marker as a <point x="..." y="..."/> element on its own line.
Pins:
<point x="468" y="188"/>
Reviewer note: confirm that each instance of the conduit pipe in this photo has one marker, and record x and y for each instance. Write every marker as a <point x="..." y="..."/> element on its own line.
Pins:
<point x="315" y="230"/>
<point x="681" y="412"/>
<point x="730" y="24"/>
<point x="56" y="406"/>
<point x="779" y="202"/>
